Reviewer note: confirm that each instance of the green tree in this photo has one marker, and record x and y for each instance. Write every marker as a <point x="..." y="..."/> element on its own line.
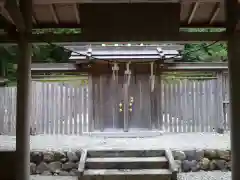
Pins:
<point x="205" y="51"/>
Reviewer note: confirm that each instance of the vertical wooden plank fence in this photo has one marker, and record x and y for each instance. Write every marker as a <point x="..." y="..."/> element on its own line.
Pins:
<point x="186" y="105"/>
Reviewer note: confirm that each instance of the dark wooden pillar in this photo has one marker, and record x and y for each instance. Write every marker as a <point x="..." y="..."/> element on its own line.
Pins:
<point x="24" y="94"/>
<point x="231" y="13"/>
<point x="234" y="84"/>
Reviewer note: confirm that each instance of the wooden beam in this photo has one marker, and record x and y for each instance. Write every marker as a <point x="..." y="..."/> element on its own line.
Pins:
<point x="71" y="67"/>
<point x="35" y="21"/>
<point x="194" y="9"/>
<point x="75" y="6"/>
<point x="215" y="13"/>
<point x="54" y="14"/>
<point x="47" y="2"/>
<point x="6" y="15"/>
<point x="16" y="15"/>
<point x="47" y="25"/>
<point x="182" y="37"/>
<point x="109" y="19"/>
<point x="6" y="22"/>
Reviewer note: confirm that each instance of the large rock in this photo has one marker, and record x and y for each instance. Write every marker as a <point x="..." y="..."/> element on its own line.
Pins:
<point x="42" y="167"/>
<point x="63" y="160"/>
<point x="59" y="155"/>
<point x="55" y="166"/>
<point x="190" y="166"/>
<point x="194" y="155"/>
<point x="212" y="165"/>
<point x="199" y="154"/>
<point x="204" y="163"/>
<point x="72" y="157"/>
<point x="63" y="173"/>
<point x="221" y="164"/>
<point x="48" y="156"/>
<point x="33" y="168"/>
<point x="179" y="155"/>
<point x="46" y="173"/>
<point x="74" y="172"/>
<point x="186" y="165"/>
<point x="229" y="165"/>
<point x="195" y="166"/>
<point x="36" y="157"/>
<point x="190" y="155"/>
<point x="78" y="153"/>
<point x="69" y="166"/>
<point x="210" y="154"/>
<point x="224" y="154"/>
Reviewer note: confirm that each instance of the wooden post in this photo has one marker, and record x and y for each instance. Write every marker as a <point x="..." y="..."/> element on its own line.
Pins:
<point x="91" y="118"/>
<point x="234" y="87"/>
<point x="24" y="95"/>
<point x="159" y="103"/>
<point x="126" y="107"/>
<point x="220" y="111"/>
<point x="231" y="13"/>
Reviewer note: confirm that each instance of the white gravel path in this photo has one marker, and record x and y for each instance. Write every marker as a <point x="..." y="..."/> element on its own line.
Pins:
<point x="37" y="177"/>
<point x="214" y="175"/>
<point x="172" y="141"/>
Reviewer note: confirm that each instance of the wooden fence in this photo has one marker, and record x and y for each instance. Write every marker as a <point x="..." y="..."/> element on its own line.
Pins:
<point x="195" y="105"/>
<point x="56" y="109"/>
<point x="188" y="105"/>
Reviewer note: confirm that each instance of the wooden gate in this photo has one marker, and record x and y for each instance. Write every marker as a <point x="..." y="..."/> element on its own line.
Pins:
<point x="117" y="105"/>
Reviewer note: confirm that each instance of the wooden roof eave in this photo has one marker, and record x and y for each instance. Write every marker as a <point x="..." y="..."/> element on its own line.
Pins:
<point x="66" y="14"/>
<point x="71" y="67"/>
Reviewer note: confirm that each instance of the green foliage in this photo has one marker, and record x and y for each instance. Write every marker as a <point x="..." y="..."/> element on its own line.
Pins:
<point x="41" y="53"/>
<point x="205" y="51"/>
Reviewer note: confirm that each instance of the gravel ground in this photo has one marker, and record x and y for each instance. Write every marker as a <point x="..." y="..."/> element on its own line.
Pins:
<point x="214" y="175"/>
<point x="172" y="141"/>
<point x="53" y="178"/>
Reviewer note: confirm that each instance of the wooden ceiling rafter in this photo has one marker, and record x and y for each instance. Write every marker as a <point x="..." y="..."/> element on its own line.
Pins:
<point x="6" y="15"/>
<point x="193" y="11"/>
<point x="54" y="17"/>
<point x="15" y="13"/>
<point x="215" y="13"/>
<point x="54" y="14"/>
<point x="76" y="11"/>
<point x="34" y="19"/>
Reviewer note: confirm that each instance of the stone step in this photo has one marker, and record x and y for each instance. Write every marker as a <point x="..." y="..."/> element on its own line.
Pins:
<point x="142" y="164"/>
<point x="125" y="153"/>
<point x="127" y="163"/>
<point x="132" y="172"/>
